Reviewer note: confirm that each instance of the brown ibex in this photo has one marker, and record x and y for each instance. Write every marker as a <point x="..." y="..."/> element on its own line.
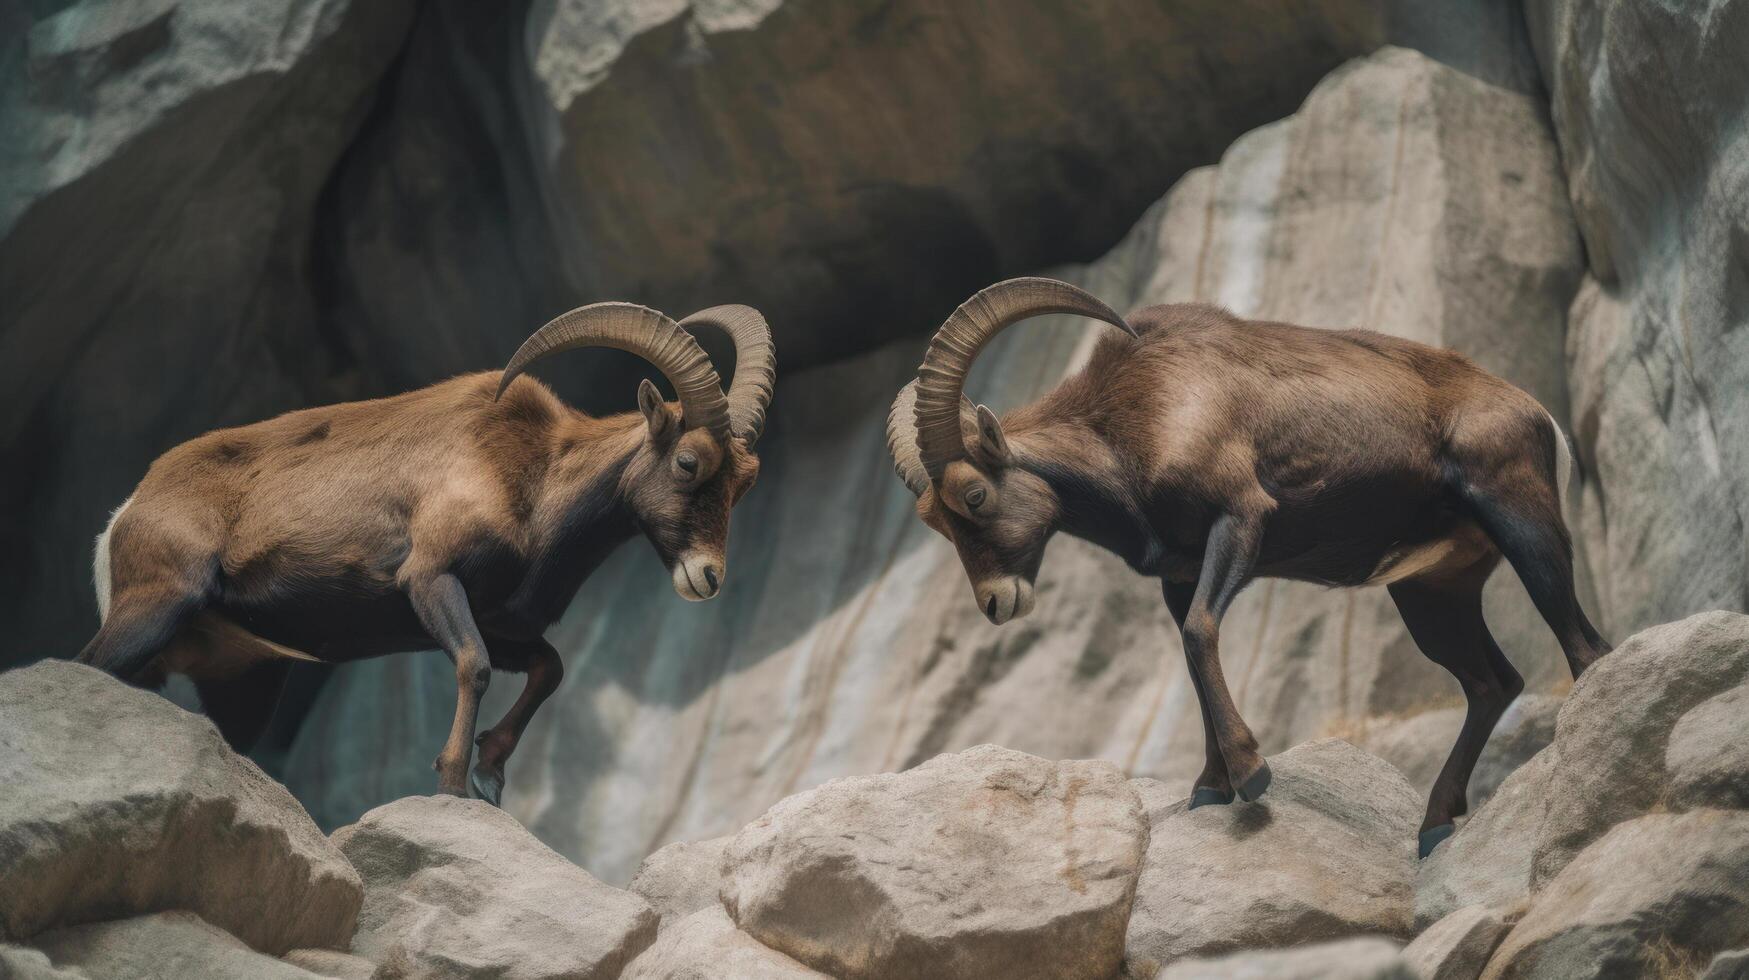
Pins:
<point x="1207" y="450"/>
<point x="464" y="515"/>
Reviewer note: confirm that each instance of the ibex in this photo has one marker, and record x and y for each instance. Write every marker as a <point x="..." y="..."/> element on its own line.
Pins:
<point x="1208" y="450"/>
<point x="464" y="515"/>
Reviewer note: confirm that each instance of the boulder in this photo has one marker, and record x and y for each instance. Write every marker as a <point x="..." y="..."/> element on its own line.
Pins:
<point x="1708" y="754"/>
<point x="1458" y="946"/>
<point x="20" y="963"/>
<point x="119" y="803"/>
<point x="1362" y="958"/>
<point x="1487" y="862"/>
<point x="1664" y="887"/>
<point x="987" y="862"/>
<point x="705" y="946"/>
<point x="457" y="888"/>
<point x="1615" y="728"/>
<point x="1419" y="744"/>
<point x="179" y="945"/>
<point x="681" y="878"/>
<point x="1328" y="852"/>
<point x="333" y="964"/>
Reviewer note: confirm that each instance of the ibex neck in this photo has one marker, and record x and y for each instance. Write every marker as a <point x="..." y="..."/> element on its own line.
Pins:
<point x="1096" y="491"/>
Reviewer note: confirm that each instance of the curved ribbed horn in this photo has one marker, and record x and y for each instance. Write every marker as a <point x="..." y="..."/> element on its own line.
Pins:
<point x="902" y="436"/>
<point x="642" y="331"/>
<point x="755" y="364"/>
<point x="942" y="377"/>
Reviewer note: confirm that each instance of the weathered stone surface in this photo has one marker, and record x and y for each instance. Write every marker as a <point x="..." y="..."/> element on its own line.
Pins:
<point x="457" y="888"/>
<point x="846" y="641"/>
<point x="1646" y="97"/>
<point x="1487" y="862"/>
<point x="1328" y="852"/>
<point x="178" y="945"/>
<point x="1458" y="946"/>
<point x="1613" y="732"/>
<point x="1365" y="958"/>
<point x="1730" y="965"/>
<point x="1665" y="886"/>
<point x="333" y="963"/>
<point x="681" y="878"/>
<point x="19" y="963"/>
<point x="1419" y="744"/>
<point x="705" y="945"/>
<point x="117" y="802"/>
<point x="1708" y="754"/>
<point x="987" y="862"/>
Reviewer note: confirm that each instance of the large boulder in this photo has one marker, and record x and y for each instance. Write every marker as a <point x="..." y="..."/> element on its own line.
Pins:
<point x="1363" y="958"/>
<point x="1487" y="862"/>
<point x="1645" y="97"/>
<point x="1328" y="852"/>
<point x="1458" y="946"/>
<point x="22" y="963"/>
<point x="1708" y="754"/>
<point x="162" y="946"/>
<point x="1663" y="887"/>
<point x="1614" y="731"/>
<point x="706" y="946"/>
<point x="117" y="803"/>
<point x="987" y="862"/>
<point x="681" y="878"/>
<point x="847" y="642"/>
<point x="457" y="888"/>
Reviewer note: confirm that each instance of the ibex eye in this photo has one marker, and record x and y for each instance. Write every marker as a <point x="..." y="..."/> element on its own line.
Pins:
<point x="975" y="497"/>
<point x="688" y="463"/>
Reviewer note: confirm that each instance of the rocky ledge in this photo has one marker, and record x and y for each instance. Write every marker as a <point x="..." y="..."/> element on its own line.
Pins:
<point x="133" y="844"/>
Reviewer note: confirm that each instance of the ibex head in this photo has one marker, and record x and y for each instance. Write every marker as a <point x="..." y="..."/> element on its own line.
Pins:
<point x="696" y="459"/>
<point x="955" y="457"/>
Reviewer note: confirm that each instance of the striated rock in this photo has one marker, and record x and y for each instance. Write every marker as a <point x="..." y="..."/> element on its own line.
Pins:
<point x="1458" y="946"/>
<point x="681" y="878"/>
<point x="988" y="862"/>
<point x="1365" y="958"/>
<point x="1328" y="852"/>
<point x="846" y="641"/>
<point x="1708" y="754"/>
<point x="1611" y="739"/>
<point x="1417" y="746"/>
<point x="457" y="888"/>
<point x="178" y="945"/>
<point x="705" y="946"/>
<point x="1488" y="861"/>
<point x="333" y="963"/>
<point x="118" y="803"/>
<point x="1660" y="887"/>
<point x="1645" y="98"/>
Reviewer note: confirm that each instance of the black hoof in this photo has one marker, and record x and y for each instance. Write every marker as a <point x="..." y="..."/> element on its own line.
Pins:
<point x="1432" y="836"/>
<point x="487" y="786"/>
<point x="1209" y="796"/>
<point x="1253" y="788"/>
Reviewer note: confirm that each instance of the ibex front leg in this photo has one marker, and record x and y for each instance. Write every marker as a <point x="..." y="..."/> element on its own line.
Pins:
<point x="442" y="607"/>
<point x="1226" y="568"/>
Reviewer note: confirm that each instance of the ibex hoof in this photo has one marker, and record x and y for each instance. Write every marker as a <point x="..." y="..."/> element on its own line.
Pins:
<point x="1209" y="796"/>
<point x="1432" y="836"/>
<point x="1253" y="787"/>
<point x="487" y="786"/>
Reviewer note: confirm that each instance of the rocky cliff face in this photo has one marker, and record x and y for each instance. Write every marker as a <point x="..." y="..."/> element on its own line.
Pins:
<point x="1405" y="196"/>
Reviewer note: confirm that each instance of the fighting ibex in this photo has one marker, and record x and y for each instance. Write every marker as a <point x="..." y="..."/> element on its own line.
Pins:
<point x="1207" y="450"/>
<point x="464" y="515"/>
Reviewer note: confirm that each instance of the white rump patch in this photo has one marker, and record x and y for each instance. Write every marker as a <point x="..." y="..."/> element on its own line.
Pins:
<point x="100" y="573"/>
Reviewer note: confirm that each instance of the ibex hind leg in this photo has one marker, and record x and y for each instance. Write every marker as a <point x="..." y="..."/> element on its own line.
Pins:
<point x="141" y="622"/>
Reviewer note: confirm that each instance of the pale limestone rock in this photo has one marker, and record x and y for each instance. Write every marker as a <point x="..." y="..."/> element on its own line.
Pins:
<point x="987" y="862"/>
<point x="19" y="963"/>
<point x="1365" y="958"/>
<point x="1662" y="887"/>
<point x="1328" y="852"/>
<point x="457" y="888"/>
<point x="681" y="878"/>
<point x="333" y="963"/>
<point x="117" y="803"/>
<point x="1487" y="862"/>
<point x="705" y="945"/>
<point x="1708" y="754"/>
<point x="1458" y="946"/>
<point x="161" y="946"/>
<point x="1613" y="732"/>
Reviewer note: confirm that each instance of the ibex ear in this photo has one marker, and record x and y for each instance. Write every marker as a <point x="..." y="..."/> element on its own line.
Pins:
<point x="661" y="421"/>
<point x="991" y="442"/>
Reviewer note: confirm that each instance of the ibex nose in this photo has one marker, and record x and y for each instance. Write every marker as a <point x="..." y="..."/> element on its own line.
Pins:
<point x="697" y="576"/>
<point x="1005" y="599"/>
